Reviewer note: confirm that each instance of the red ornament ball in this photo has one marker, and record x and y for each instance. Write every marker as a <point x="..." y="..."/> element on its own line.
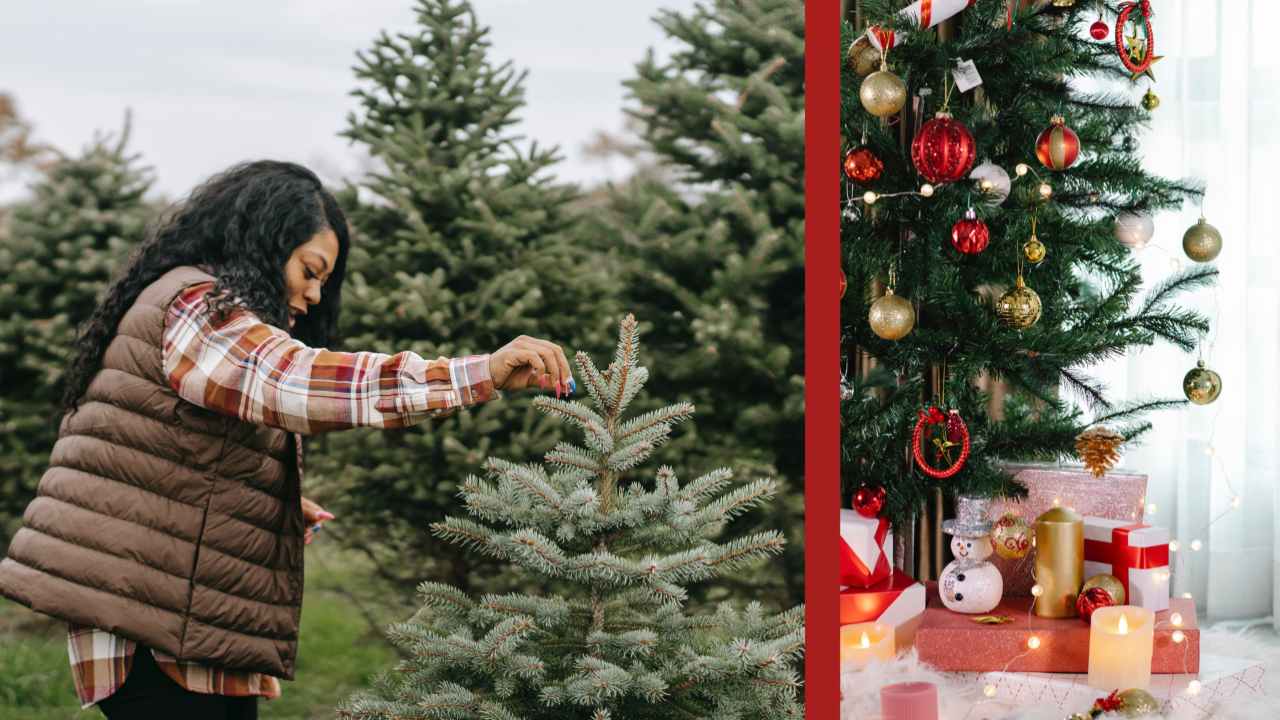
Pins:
<point x="1099" y="30"/>
<point x="1058" y="146"/>
<point x="862" y="166"/>
<point x="1091" y="599"/>
<point x="944" y="149"/>
<point x="970" y="235"/>
<point x="870" y="501"/>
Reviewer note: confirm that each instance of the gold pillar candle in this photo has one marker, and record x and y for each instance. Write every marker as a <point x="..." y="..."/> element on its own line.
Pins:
<point x="1059" y="562"/>
<point x="1121" y="640"/>
<point x="864" y="643"/>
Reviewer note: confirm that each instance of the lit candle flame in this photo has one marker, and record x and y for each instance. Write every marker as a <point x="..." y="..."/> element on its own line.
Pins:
<point x="866" y="641"/>
<point x="1124" y="626"/>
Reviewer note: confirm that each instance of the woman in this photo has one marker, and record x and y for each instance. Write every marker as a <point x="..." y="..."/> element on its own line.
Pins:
<point x="168" y="529"/>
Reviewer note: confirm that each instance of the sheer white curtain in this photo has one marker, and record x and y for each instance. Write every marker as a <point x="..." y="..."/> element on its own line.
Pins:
<point x="1219" y="121"/>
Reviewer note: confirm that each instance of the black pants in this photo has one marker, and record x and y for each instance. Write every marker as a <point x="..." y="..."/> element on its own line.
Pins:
<point x="149" y="693"/>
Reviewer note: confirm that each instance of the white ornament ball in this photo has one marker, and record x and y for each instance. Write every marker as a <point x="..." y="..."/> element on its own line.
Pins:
<point x="999" y="184"/>
<point x="970" y="584"/>
<point x="1134" y="231"/>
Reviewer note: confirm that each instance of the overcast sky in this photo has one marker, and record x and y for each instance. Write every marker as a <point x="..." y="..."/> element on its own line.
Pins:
<point x="213" y="82"/>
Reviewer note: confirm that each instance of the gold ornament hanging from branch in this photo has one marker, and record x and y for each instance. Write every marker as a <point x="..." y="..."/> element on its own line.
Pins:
<point x="1019" y="308"/>
<point x="1099" y="448"/>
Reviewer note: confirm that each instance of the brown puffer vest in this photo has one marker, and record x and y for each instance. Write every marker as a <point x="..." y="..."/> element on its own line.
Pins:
<point x="162" y="521"/>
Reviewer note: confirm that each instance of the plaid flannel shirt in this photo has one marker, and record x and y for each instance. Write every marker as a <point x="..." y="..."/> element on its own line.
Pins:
<point x="248" y="369"/>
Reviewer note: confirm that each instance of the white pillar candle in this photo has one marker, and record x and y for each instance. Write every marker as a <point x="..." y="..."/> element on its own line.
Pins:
<point x="1121" y="640"/>
<point x="864" y="643"/>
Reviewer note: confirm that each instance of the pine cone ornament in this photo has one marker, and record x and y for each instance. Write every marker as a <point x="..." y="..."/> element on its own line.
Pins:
<point x="1099" y="447"/>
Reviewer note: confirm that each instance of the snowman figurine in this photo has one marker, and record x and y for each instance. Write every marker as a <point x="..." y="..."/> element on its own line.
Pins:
<point x="970" y="584"/>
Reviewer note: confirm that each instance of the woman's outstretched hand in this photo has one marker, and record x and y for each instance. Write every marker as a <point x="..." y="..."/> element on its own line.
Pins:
<point x="313" y="515"/>
<point x="528" y="362"/>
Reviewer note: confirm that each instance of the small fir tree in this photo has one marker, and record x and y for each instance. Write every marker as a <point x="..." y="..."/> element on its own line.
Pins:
<point x="616" y="643"/>
<point x="58" y="253"/>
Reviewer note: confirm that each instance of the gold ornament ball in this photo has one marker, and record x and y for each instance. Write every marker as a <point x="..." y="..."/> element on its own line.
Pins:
<point x="1137" y="702"/>
<point x="1110" y="583"/>
<point x="1150" y="101"/>
<point x="1034" y="250"/>
<point x="1064" y="3"/>
<point x="892" y="317"/>
<point x="1011" y="536"/>
<point x="1202" y="242"/>
<point x="883" y="93"/>
<point x="1202" y="385"/>
<point x="864" y="57"/>
<point x="1019" y="308"/>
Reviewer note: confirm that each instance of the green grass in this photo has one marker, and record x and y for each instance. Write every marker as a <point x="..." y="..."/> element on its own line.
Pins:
<point x="339" y="649"/>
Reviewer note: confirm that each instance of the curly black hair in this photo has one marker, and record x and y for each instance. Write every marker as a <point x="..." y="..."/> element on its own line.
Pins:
<point x="242" y="224"/>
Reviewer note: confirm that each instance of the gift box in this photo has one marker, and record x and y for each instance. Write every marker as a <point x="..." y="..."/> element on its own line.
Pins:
<point x="1115" y="496"/>
<point x="1136" y="554"/>
<point x="897" y="601"/>
<point x="953" y="642"/>
<point x="866" y="550"/>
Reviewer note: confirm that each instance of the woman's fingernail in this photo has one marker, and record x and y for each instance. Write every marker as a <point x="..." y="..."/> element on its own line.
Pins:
<point x="326" y="516"/>
<point x="573" y="386"/>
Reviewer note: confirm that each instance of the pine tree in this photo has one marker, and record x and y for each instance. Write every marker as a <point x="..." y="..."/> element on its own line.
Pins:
<point x="461" y="245"/>
<point x="712" y="242"/>
<point x="58" y="253"/>
<point x="616" y="643"/>
<point x="1090" y="286"/>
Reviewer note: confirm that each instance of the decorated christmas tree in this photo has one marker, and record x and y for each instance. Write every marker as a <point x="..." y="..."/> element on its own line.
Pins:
<point x="58" y="251"/>
<point x="461" y="244"/>
<point x="712" y="236"/>
<point x="621" y="544"/>
<point x="994" y="202"/>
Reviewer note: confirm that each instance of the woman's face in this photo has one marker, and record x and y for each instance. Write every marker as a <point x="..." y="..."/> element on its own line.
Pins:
<point x="307" y="270"/>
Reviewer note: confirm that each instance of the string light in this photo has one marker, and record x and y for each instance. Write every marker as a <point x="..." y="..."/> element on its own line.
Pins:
<point x="1151" y="509"/>
<point x="989" y="691"/>
<point x="1176" y="619"/>
<point x="1046" y="190"/>
<point x="870" y="198"/>
<point x="1037" y="591"/>
<point x="926" y="190"/>
<point x="1196" y="545"/>
<point x="1022" y="169"/>
<point x="986" y="185"/>
<point x="1173" y="546"/>
<point x="1193" y="687"/>
<point x="1178" y="637"/>
<point x="1186" y="595"/>
<point x="1209" y="450"/>
<point x="1033" y="642"/>
<point x="1235" y="503"/>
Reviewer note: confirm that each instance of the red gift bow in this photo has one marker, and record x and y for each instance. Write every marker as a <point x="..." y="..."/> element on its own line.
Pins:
<point x="1123" y="558"/>
<point x="852" y="566"/>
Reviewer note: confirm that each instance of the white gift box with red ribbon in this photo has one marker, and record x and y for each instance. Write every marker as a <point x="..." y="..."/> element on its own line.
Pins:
<point x="866" y="550"/>
<point x="1135" y="553"/>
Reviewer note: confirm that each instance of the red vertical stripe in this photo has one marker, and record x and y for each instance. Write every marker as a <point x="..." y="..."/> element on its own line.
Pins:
<point x="822" y="356"/>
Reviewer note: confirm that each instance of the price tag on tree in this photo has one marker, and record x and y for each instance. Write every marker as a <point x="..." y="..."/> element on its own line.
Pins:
<point x="966" y="75"/>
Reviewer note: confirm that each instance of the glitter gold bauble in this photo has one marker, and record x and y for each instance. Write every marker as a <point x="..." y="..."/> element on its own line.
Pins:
<point x="1019" y="308"/>
<point x="864" y="57"/>
<point x="1099" y="448"/>
<point x="1034" y="250"/>
<point x="1150" y="101"/>
<point x="1110" y="583"/>
<point x="892" y="317"/>
<point x="1136" y="703"/>
<point x="1011" y="536"/>
<point x="883" y="93"/>
<point x="1202" y="242"/>
<point x="1202" y="385"/>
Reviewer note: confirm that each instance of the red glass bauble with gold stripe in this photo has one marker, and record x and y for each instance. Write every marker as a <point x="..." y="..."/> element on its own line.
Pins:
<point x="944" y="149"/>
<point x="1058" y="146"/>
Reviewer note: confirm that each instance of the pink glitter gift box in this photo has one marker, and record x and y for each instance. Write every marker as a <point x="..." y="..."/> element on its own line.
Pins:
<point x="1115" y="496"/>
<point x="953" y="642"/>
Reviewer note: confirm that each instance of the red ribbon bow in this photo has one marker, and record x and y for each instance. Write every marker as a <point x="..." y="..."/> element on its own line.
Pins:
<point x="1109" y="703"/>
<point x="933" y="416"/>
<point x="1124" y="558"/>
